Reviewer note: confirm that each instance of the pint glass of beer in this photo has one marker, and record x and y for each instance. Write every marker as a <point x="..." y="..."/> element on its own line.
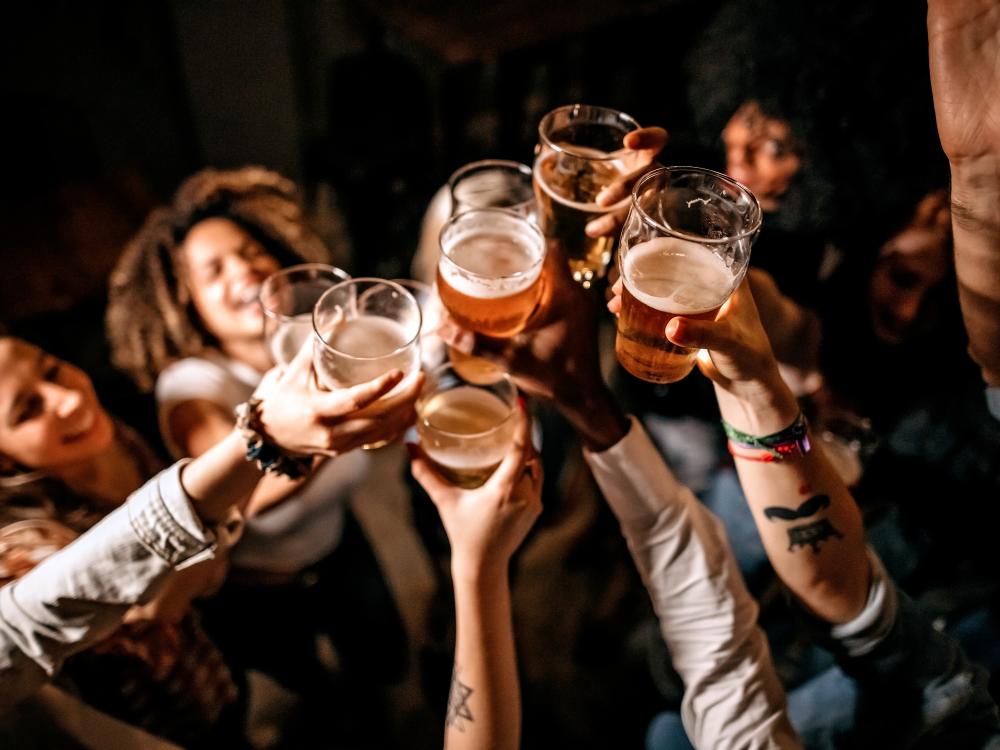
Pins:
<point x="684" y="249"/>
<point x="288" y="298"/>
<point x="579" y="152"/>
<point x="364" y="328"/>
<point x="466" y="427"/>
<point x="493" y="183"/>
<point x="490" y="271"/>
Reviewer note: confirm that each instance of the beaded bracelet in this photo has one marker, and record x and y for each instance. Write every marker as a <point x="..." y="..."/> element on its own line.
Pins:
<point x="268" y="456"/>
<point x="793" y="441"/>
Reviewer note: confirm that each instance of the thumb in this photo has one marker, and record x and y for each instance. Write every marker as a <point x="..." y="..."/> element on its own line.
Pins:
<point x="439" y="489"/>
<point x="697" y="334"/>
<point x="341" y="402"/>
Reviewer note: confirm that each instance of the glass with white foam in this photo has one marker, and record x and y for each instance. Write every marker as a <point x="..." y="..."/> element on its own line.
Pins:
<point x="465" y="427"/>
<point x="493" y="183"/>
<point x="365" y="328"/>
<point x="580" y="152"/>
<point x="684" y="249"/>
<point x="490" y="270"/>
<point x="288" y="298"/>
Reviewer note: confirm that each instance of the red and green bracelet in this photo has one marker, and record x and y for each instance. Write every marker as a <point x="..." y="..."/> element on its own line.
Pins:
<point x="791" y="442"/>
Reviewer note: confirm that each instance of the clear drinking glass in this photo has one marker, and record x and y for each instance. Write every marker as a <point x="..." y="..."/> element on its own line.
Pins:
<point x="432" y="349"/>
<point x="684" y="248"/>
<point x="287" y="298"/>
<point x="493" y="183"/>
<point x="363" y="329"/>
<point x="579" y="152"/>
<point x="490" y="271"/>
<point x="466" y="427"/>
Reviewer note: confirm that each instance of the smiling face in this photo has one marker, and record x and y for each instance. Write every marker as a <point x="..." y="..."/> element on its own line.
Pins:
<point x="224" y="268"/>
<point x="49" y="414"/>
<point x="760" y="153"/>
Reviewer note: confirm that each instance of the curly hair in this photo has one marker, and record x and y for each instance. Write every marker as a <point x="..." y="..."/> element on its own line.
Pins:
<point x="845" y="77"/>
<point x="150" y="319"/>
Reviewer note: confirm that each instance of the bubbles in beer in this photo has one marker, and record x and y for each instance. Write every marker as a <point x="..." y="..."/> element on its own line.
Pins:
<point x="373" y="346"/>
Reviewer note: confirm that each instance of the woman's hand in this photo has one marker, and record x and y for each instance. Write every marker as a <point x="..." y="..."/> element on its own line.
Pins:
<point x="301" y="418"/>
<point x="643" y="146"/>
<point x="487" y="524"/>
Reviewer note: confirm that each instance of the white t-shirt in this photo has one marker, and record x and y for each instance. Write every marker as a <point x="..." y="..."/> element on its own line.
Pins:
<point x="297" y="533"/>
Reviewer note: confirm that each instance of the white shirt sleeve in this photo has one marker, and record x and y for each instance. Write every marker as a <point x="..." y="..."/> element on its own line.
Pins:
<point x="708" y="619"/>
<point x="79" y="595"/>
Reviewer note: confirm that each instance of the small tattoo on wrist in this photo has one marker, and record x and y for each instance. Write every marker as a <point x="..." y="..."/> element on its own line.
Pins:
<point x="458" y="703"/>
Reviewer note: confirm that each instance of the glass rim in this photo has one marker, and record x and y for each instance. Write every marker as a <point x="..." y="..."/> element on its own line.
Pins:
<point x="546" y="119"/>
<point x="464" y="216"/>
<point x="426" y="394"/>
<point x="296" y="268"/>
<point x="462" y="171"/>
<point x="372" y="280"/>
<point x="743" y="189"/>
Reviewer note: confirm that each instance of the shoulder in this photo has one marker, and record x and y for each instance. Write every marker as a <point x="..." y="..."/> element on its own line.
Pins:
<point x="210" y="378"/>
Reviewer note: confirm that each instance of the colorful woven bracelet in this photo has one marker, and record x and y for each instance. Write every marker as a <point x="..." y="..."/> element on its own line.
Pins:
<point x="268" y="456"/>
<point x="791" y="442"/>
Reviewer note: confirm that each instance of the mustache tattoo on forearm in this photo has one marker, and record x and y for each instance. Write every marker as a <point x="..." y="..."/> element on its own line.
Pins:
<point x="810" y="507"/>
<point x="812" y="534"/>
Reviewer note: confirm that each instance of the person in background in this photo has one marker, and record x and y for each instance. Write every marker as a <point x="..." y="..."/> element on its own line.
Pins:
<point x="121" y="587"/>
<point x="183" y="313"/>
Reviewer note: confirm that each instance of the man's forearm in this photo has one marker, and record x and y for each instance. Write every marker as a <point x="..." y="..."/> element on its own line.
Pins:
<point x="975" y="199"/>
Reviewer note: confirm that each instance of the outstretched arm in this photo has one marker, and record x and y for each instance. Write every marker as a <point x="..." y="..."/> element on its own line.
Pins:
<point x="485" y="526"/>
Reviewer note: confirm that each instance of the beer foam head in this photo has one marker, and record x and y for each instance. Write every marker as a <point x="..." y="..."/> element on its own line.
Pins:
<point x="495" y="257"/>
<point x="677" y="276"/>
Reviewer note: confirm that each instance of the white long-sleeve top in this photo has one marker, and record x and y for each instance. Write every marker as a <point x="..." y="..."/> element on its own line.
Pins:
<point x="732" y="697"/>
<point x="79" y="595"/>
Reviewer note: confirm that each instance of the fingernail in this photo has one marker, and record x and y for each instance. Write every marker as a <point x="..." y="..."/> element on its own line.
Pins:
<point x="523" y="404"/>
<point x="413" y="450"/>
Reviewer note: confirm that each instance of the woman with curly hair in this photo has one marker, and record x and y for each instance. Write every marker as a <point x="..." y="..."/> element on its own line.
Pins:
<point x="183" y="315"/>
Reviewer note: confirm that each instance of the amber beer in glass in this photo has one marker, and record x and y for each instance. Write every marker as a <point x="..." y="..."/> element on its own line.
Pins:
<point x="490" y="270"/>
<point x="466" y="426"/>
<point x="579" y="152"/>
<point x="684" y="249"/>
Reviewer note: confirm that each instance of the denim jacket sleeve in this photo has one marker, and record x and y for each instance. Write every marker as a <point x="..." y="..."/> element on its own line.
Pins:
<point x="708" y="619"/>
<point x="916" y="686"/>
<point x="79" y="595"/>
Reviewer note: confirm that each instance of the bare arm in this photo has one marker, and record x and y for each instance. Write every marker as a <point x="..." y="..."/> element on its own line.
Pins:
<point x="196" y="426"/>
<point x="485" y="526"/>
<point x="964" y="51"/>
<point x="807" y="519"/>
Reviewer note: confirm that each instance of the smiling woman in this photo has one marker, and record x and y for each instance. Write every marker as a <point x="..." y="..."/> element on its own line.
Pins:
<point x="64" y="465"/>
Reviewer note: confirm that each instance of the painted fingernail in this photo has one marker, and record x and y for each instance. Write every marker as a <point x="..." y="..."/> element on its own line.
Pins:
<point x="522" y="403"/>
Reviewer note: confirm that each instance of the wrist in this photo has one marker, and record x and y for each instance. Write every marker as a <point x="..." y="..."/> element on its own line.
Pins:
<point x="479" y="574"/>
<point x="758" y="407"/>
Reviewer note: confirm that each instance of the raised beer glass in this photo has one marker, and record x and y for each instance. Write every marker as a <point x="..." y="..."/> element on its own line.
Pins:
<point x="490" y="271"/>
<point x="466" y="427"/>
<point x="492" y="183"/>
<point x="288" y="298"/>
<point x="580" y="152"/>
<point x="684" y="248"/>
<point x="364" y="328"/>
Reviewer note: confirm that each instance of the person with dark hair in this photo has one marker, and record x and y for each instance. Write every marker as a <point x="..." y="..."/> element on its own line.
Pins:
<point x="183" y="312"/>
<point x="66" y="466"/>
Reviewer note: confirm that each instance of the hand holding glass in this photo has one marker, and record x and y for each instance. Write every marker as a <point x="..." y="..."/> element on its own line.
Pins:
<point x="466" y="427"/>
<point x="684" y="249"/>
